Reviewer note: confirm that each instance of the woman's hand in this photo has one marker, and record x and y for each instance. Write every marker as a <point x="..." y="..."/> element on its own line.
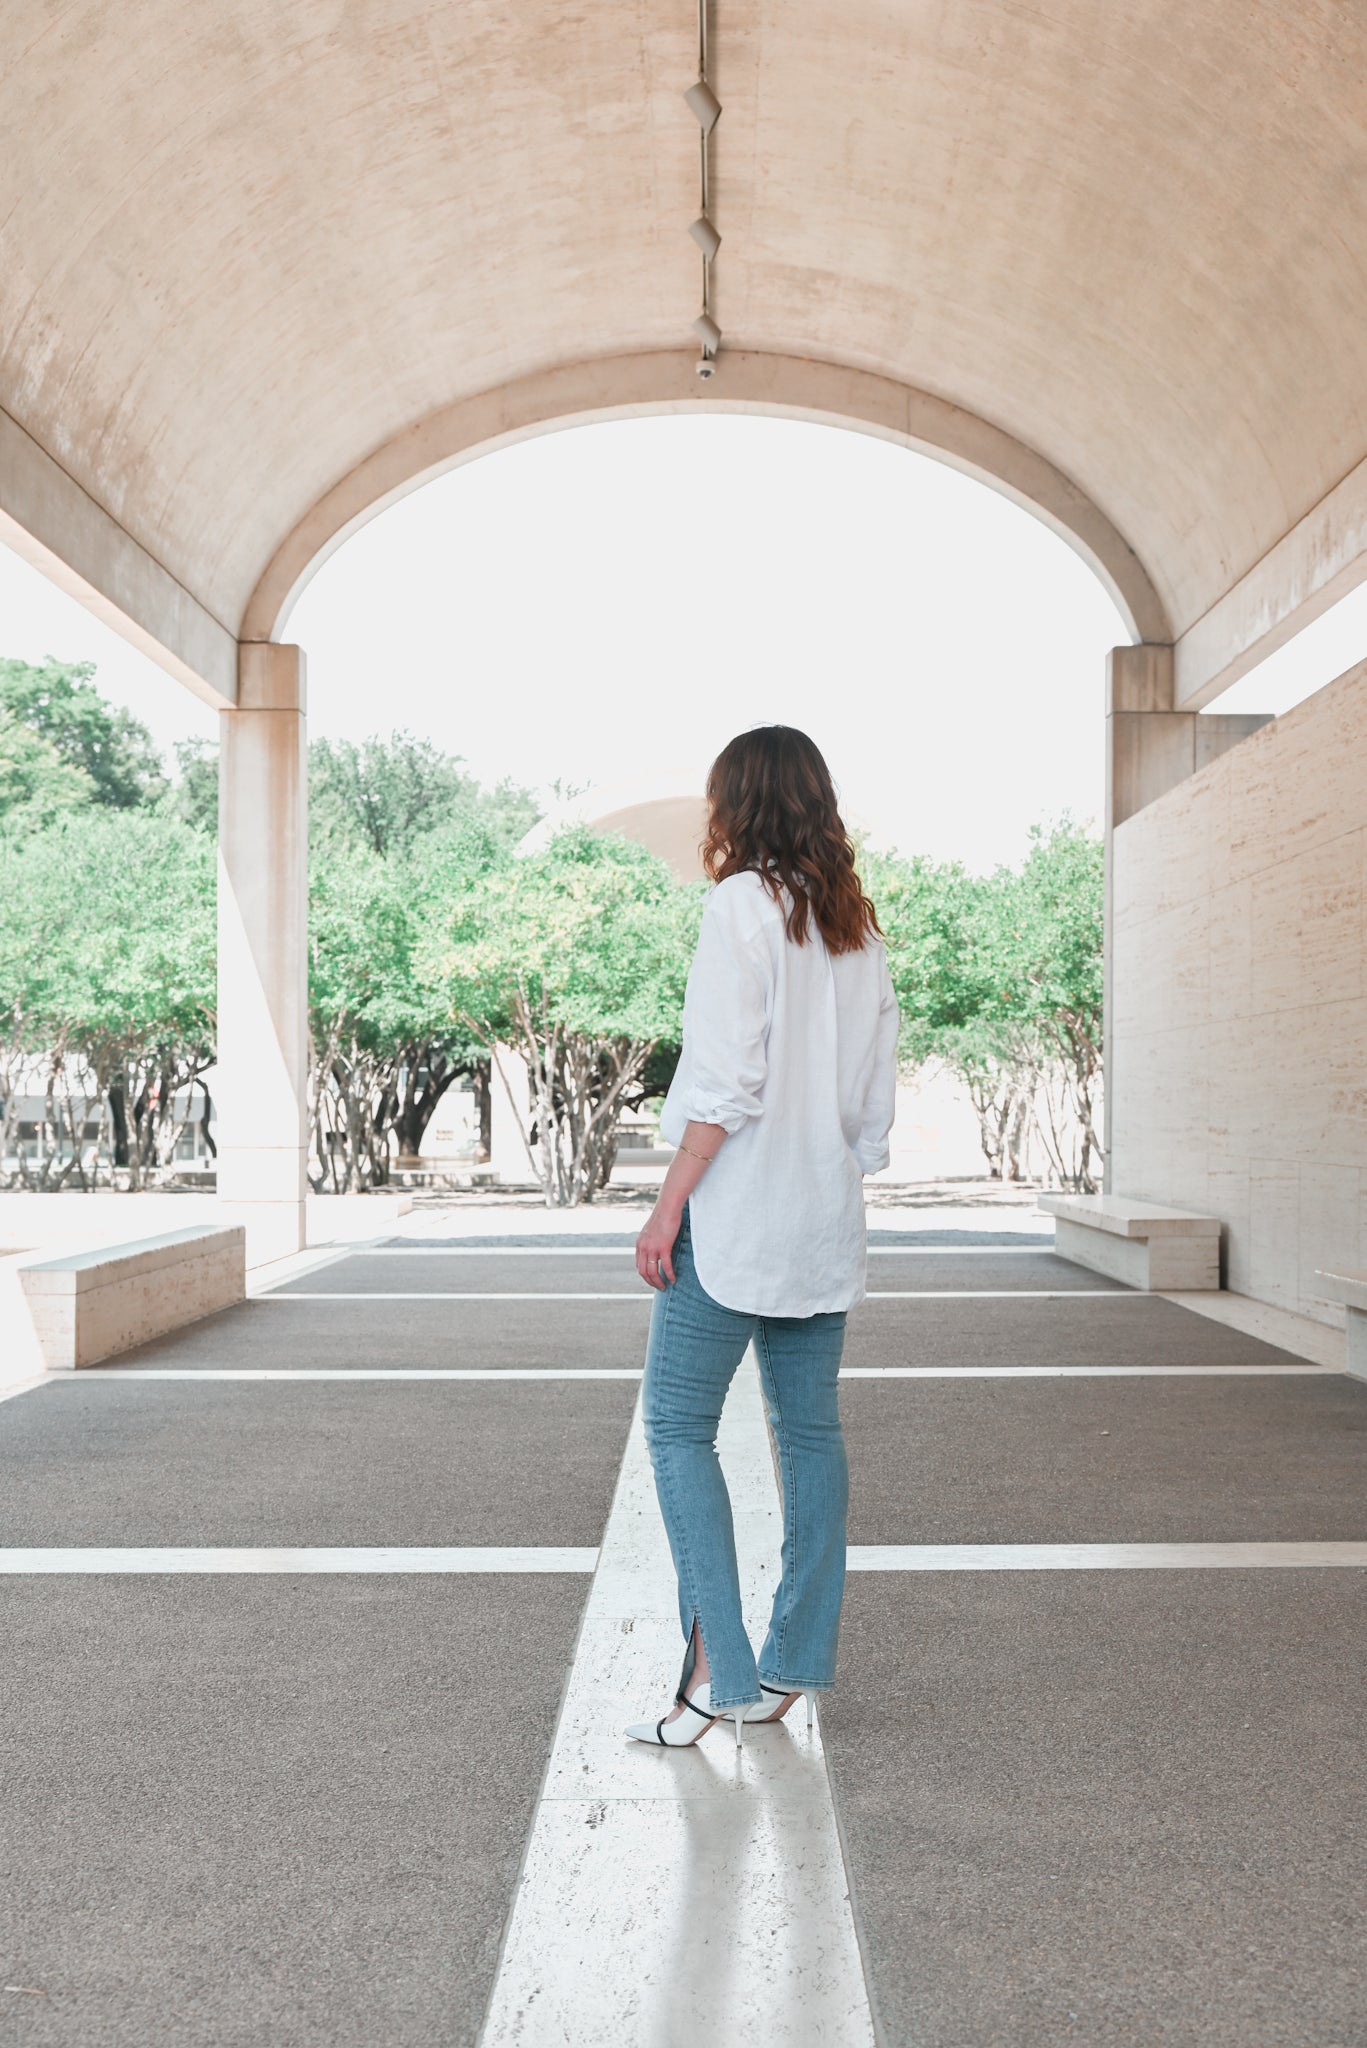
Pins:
<point x="655" y="1245"/>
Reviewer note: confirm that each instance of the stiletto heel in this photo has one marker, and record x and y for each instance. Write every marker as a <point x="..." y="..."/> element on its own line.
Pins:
<point x="738" y="1716"/>
<point x="776" y="1702"/>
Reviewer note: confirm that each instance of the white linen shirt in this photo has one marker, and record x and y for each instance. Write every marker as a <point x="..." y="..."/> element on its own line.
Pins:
<point x="793" y="1051"/>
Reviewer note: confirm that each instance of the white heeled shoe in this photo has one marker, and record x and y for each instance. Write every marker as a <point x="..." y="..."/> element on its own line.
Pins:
<point x="776" y="1702"/>
<point x="690" y="1726"/>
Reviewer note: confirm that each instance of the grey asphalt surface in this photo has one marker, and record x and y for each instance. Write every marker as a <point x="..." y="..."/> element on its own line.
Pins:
<point x="998" y="1271"/>
<point x="1107" y="1461"/>
<point x="1100" y="1808"/>
<point x="234" y="1463"/>
<point x="277" y="1332"/>
<point x="467" y="1272"/>
<point x="265" y="1812"/>
<point x="1139" y="1330"/>
<point x="1113" y="1808"/>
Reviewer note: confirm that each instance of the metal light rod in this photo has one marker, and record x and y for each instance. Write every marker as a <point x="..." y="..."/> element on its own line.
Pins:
<point x="706" y="109"/>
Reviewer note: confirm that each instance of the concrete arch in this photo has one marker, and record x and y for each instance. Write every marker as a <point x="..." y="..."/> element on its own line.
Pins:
<point x="627" y="386"/>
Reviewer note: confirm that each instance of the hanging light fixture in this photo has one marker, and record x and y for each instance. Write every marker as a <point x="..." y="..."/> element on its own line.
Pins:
<point x="704" y="102"/>
<point x="705" y="107"/>
<point x="706" y="236"/>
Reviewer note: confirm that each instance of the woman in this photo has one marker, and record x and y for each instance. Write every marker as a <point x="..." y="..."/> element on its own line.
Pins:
<point x="782" y="1101"/>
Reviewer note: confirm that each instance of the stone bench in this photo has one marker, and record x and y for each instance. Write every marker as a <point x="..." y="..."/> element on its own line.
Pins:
<point x="92" y="1305"/>
<point x="1163" y="1251"/>
<point x="1351" y="1290"/>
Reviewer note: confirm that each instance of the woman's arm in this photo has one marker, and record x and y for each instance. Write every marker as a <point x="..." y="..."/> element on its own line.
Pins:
<point x="880" y="1104"/>
<point x="698" y="1147"/>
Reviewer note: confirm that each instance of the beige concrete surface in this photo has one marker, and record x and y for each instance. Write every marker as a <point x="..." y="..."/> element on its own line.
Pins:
<point x="250" y="255"/>
<point x="1118" y="1216"/>
<point x="93" y="1305"/>
<point x="1239" y="1004"/>
<point x="1319" y="1343"/>
<point x="1141" y="1243"/>
<point x="1155" y="1265"/>
<point x="263" y="952"/>
<point x="1351" y="1290"/>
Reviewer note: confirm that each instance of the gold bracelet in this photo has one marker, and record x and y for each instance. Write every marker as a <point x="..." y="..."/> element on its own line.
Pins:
<point x="706" y="1157"/>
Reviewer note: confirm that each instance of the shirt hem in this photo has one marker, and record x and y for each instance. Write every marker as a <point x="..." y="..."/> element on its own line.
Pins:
<point x="821" y="1308"/>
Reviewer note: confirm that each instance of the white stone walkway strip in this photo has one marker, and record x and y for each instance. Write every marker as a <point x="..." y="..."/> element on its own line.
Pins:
<point x="1099" y="1557"/>
<point x="679" y="1897"/>
<point x="17" y="1562"/>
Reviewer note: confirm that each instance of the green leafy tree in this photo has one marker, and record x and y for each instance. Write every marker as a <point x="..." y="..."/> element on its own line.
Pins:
<point x="999" y="980"/>
<point x="1045" y="1007"/>
<point x="386" y="794"/>
<point x="926" y="910"/>
<point x="576" y="956"/>
<point x="193" y="796"/>
<point x="386" y="1044"/>
<point x="58" y="701"/>
<point x="36" y="784"/>
<point x="107" y="985"/>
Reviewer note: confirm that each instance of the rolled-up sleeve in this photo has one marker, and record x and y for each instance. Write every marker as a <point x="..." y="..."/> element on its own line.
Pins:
<point x="880" y="1104"/>
<point x="726" y="1018"/>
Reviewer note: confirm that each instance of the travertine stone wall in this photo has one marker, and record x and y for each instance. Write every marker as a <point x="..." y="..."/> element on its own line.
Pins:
<point x="1239" y="1074"/>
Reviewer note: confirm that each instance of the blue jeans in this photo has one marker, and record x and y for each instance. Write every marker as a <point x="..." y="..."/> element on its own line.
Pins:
<point x="694" y="1349"/>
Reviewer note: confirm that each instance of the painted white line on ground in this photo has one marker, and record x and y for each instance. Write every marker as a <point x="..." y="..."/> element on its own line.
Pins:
<point x="1097" y="1557"/>
<point x="95" y="1374"/>
<point x="1076" y="1372"/>
<point x="1004" y="1294"/>
<point x="365" y="1372"/>
<point x="497" y="1251"/>
<point x="626" y="1251"/>
<point x="643" y="1296"/>
<point x="18" y="1562"/>
<point x="705" y="1887"/>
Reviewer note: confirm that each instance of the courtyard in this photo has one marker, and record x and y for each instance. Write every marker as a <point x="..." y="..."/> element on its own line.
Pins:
<point x="323" y="1617"/>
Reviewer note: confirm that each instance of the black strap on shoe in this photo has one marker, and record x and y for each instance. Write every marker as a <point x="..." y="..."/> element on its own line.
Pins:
<point x="694" y="1710"/>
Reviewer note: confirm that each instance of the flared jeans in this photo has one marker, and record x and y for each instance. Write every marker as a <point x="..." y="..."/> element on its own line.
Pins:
<point x="695" y="1346"/>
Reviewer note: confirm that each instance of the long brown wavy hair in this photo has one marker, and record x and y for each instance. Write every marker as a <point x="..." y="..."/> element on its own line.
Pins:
<point x="772" y="812"/>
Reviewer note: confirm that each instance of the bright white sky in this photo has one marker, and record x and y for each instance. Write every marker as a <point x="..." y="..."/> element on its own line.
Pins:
<point x="609" y="604"/>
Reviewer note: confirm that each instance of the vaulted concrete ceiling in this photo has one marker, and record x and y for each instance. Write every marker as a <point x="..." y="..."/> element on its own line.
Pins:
<point x="251" y="249"/>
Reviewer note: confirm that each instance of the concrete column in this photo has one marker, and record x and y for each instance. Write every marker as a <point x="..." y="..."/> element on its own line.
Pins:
<point x="263" y="953"/>
<point x="1150" y="748"/>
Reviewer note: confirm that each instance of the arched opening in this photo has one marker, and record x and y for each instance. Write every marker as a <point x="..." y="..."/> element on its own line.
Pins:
<point x="631" y="386"/>
<point x="595" y="614"/>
